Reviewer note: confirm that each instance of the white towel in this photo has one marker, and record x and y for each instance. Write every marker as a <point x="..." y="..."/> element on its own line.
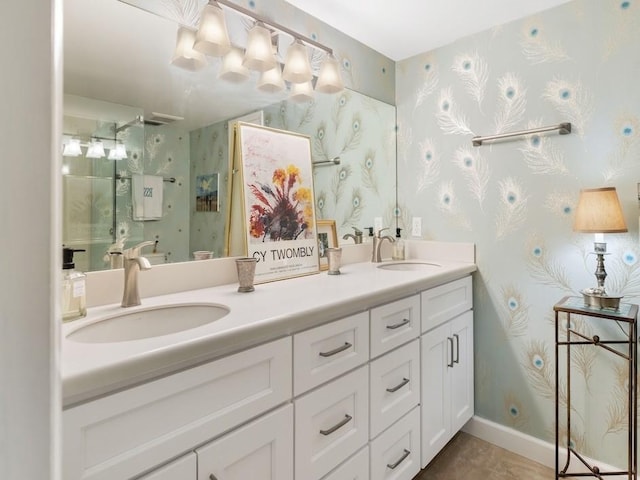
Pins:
<point x="146" y="196"/>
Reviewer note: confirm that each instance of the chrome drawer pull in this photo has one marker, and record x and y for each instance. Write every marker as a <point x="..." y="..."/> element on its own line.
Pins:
<point x="331" y="353"/>
<point x="457" y="360"/>
<point x="347" y="419"/>
<point x="451" y="351"/>
<point x="398" y="325"/>
<point x="392" y="466"/>
<point x="399" y="386"/>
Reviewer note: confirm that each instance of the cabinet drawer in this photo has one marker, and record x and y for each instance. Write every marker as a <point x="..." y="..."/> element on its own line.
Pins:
<point x="263" y="449"/>
<point x="395" y="455"/>
<point x="129" y="432"/>
<point x="325" y="352"/>
<point x="444" y="302"/>
<point x="394" y="324"/>
<point x="183" y="468"/>
<point x="331" y="424"/>
<point x="356" y="468"/>
<point x="395" y="386"/>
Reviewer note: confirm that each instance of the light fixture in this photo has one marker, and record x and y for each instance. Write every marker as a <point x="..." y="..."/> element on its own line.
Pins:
<point x="301" y="92"/>
<point x="329" y="78"/>
<point x="118" y="152"/>
<point x="599" y="212"/>
<point x="184" y="55"/>
<point x="232" y="68"/>
<point x="212" y="37"/>
<point x="259" y="52"/>
<point x="271" y="81"/>
<point x="297" y="68"/>
<point x="72" y="148"/>
<point x="96" y="149"/>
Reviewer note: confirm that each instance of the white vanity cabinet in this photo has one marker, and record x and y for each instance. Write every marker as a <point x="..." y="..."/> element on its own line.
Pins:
<point x="447" y="364"/>
<point x="129" y="432"/>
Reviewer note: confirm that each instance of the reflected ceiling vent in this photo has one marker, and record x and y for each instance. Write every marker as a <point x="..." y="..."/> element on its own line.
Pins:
<point x="161" y="119"/>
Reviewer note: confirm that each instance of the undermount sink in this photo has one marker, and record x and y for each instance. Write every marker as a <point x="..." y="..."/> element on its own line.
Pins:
<point x="410" y="266"/>
<point x="148" y="322"/>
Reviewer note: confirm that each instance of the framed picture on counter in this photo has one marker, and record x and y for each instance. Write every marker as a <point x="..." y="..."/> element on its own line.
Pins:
<point x="327" y="238"/>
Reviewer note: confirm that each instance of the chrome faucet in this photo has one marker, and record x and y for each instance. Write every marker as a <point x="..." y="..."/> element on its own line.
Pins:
<point x="377" y="243"/>
<point x="133" y="263"/>
<point x="356" y="235"/>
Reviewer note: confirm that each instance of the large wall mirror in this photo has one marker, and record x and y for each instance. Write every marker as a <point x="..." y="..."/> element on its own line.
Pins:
<point x="152" y="118"/>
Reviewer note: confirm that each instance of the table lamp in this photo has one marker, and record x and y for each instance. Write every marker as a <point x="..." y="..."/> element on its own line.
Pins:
<point x="599" y="212"/>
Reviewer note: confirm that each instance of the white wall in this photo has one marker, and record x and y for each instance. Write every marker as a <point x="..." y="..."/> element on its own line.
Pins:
<point x="29" y="387"/>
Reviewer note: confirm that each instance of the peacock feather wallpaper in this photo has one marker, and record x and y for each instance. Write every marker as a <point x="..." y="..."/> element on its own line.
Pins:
<point x="515" y="200"/>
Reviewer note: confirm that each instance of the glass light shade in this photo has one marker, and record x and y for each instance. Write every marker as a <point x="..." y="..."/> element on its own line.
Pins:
<point x="185" y="56"/>
<point x="599" y="211"/>
<point x="95" y="150"/>
<point x="271" y="81"/>
<point x="297" y="68"/>
<point x="259" y="52"/>
<point x="212" y="37"/>
<point x="329" y="78"/>
<point x="118" y="152"/>
<point x="232" y="69"/>
<point x="72" y="148"/>
<point x="301" y="92"/>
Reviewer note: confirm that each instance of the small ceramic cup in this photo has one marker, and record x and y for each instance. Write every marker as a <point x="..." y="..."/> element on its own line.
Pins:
<point x="246" y="271"/>
<point x="334" y="256"/>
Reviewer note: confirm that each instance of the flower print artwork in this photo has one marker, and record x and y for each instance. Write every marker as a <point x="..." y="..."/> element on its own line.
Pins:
<point x="283" y="209"/>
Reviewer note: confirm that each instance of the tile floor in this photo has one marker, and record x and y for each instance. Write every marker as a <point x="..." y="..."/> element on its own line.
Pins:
<point x="469" y="458"/>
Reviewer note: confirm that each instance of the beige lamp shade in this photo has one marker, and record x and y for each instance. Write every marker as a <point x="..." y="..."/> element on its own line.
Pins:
<point x="599" y="211"/>
<point x="271" y="81"/>
<point x="185" y="56"/>
<point x="301" y="92"/>
<point x="259" y="52"/>
<point x="212" y="37"/>
<point x="329" y="78"/>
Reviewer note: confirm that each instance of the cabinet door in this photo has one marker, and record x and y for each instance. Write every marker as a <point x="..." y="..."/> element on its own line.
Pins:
<point x="462" y="372"/>
<point x="184" y="468"/>
<point x="436" y="386"/>
<point x="395" y="455"/>
<point x="261" y="450"/>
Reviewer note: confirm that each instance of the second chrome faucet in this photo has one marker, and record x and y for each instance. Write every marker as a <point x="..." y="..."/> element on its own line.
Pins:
<point x="378" y="238"/>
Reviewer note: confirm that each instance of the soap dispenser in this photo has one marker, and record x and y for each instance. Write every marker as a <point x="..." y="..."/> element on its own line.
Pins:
<point x="398" y="246"/>
<point x="74" y="303"/>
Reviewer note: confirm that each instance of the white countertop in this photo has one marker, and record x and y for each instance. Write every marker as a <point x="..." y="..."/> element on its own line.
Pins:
<point x="273" y="310"/>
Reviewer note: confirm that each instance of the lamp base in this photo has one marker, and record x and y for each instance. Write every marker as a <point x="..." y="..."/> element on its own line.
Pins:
<point x="597" y="298"/>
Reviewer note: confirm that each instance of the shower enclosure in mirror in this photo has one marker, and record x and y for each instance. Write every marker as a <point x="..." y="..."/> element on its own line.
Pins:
<point x="117" y="69"/>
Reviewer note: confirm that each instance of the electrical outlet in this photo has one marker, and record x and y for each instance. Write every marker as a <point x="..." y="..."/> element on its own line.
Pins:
<point x="416" y="227"/>
<point x="377" y="224"/>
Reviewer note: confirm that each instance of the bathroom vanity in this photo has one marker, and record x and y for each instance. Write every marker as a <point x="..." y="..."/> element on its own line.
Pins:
<point x="361" y="375"/>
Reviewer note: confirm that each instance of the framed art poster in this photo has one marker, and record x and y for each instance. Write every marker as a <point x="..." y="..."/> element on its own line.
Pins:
<point x="276" y="178"/>
<point x="327" y="238"/>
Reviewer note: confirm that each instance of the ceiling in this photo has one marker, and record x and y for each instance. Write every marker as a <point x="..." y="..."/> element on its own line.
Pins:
<point x="400" y="29"/>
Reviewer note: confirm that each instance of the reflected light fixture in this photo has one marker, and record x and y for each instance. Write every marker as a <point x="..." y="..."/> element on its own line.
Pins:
<point x="599" y="212"/>
<point x="297" y="68"/>
<point x="301" y="92"/>
<point x="118" y="152"/>
<point x="329" y="78"/>
<point x="271" y="81"/>
<point x="96" y="149"/>
<point x="212" y="37"/>
<point x="259" y="52"/>
<point x="72" y="148"/>
<point x="232" y="68"/>
<point x="184" y="55"/>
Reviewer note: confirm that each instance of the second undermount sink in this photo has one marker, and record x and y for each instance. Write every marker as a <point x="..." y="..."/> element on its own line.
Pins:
<point x="148" y="322"/>
<point x="410" y="266"/>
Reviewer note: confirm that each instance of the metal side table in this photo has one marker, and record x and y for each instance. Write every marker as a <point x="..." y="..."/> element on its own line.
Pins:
<point x="627" y="315"/>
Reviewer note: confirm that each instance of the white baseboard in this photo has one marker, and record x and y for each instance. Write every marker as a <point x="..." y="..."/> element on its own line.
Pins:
<point x="526" y="446"/>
